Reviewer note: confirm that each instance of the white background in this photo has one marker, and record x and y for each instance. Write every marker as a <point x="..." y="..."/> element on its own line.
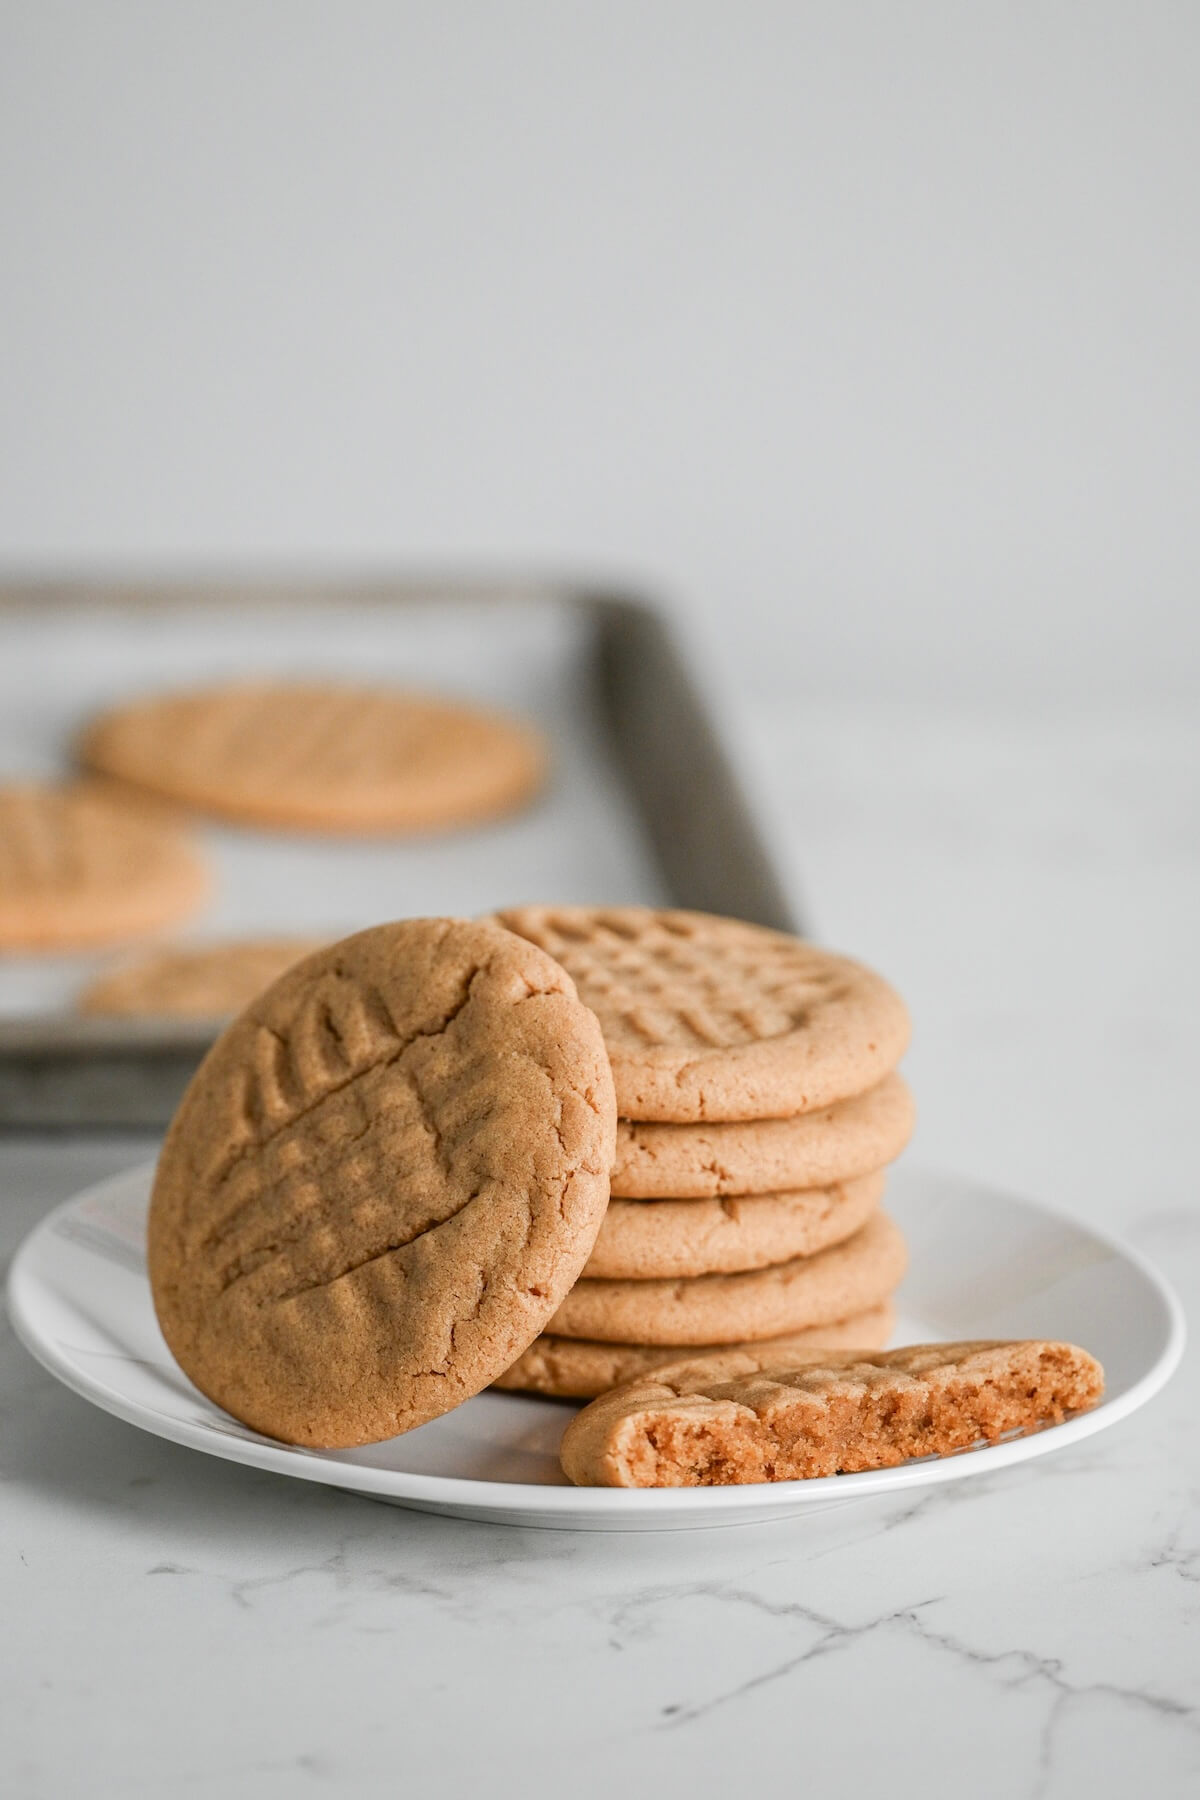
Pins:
<point x="869" y="332"/>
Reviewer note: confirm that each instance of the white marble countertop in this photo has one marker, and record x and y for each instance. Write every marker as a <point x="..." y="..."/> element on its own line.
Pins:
<point x="178" y="1626"/>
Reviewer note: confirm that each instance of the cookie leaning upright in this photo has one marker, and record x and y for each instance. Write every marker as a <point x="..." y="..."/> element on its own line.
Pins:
<point x="714" y="1019"/>
<point x="382" y="1181"/>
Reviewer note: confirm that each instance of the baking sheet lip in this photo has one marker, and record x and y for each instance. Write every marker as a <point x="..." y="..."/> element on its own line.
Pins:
<point x="65" y="1034"/>
<point x="278" y="584"/>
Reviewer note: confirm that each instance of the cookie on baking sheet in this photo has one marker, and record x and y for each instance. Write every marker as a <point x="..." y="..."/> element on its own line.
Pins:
<point x="643" y="1240"/>
<point x="321" y="756"/>
<point x="748" y="1417"/>
<point x="762" y="1156"/>
<point x="574" y="1369"/>
<point x="382" y="1180"/>
<point x="710" y="1018"/>
<point x="78" y="869"/>
<point x="725" y="1309"/>
<point x="197" y="981"/>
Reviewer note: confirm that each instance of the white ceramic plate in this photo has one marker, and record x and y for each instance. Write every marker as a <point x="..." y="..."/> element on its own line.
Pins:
<point x="983" y="1265"/>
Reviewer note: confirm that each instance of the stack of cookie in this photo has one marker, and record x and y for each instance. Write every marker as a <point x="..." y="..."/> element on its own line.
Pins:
<point x="389" y="1178"/>
<point x="756" y="1082"/>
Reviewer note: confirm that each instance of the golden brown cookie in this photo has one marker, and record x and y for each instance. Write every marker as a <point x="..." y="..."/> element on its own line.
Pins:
<point x="762" y="1156"/>
<point x="79" y="869"/>
<point x="744" y="1417"/>
<point x="200" y="981"/>
<point x="382" y="1180"/>
<point x="319" y="756"/>
<point x="725" y="1309"/>
<point x="654" y="1240"/>
<point x="574" y="1369"/>
<point x="709" y="1018"/>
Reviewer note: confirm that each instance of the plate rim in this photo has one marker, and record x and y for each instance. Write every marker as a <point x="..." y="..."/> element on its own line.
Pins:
<point x="469" y="1493"/>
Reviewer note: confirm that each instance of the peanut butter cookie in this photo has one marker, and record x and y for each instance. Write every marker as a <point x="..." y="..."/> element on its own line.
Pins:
<point x="202" y="981"/>
<point x="315" y="756"/>
<point x="573" y="1368"/>
<point x="649" y="1240"/>
<point x="746" y="1417"/>
<point x="78" y="869"/>
<point x="382" y="1181"/>
<point x="709" y="1018"/>
<point x="713" y="1309"/>
<point x="762" y="1156"/>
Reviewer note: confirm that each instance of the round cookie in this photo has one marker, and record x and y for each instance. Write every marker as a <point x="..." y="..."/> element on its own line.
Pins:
<point x="202" y="981"/>
<point x="710" y="1018"/>
<point x="78" y="869"/>
<point x="763" y="1156"/>
<point x="724" y="1309"/>
<point x="574" y="1369"/>
<point x="382" y="1180"/>
<point x="320" y="756"/>
<point x="652" y="1240"/>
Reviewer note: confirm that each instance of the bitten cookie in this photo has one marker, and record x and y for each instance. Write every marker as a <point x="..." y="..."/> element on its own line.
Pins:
<point x="319" y="756"/>
<point x="743" y="1417"/>
<point x="710" y="1018"/>
<point x="662" y="1239"/>
<point x="762" y="1156"/>
<point x="383" y="1179"/>
<point x="572" y="1368"/>
<point x="78" y="869"/>
<point x="714" y="1309"/>
<point x="207" y="981"/>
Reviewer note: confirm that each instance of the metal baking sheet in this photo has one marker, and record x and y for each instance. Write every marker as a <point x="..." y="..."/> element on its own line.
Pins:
<point x="644" y="801"/>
